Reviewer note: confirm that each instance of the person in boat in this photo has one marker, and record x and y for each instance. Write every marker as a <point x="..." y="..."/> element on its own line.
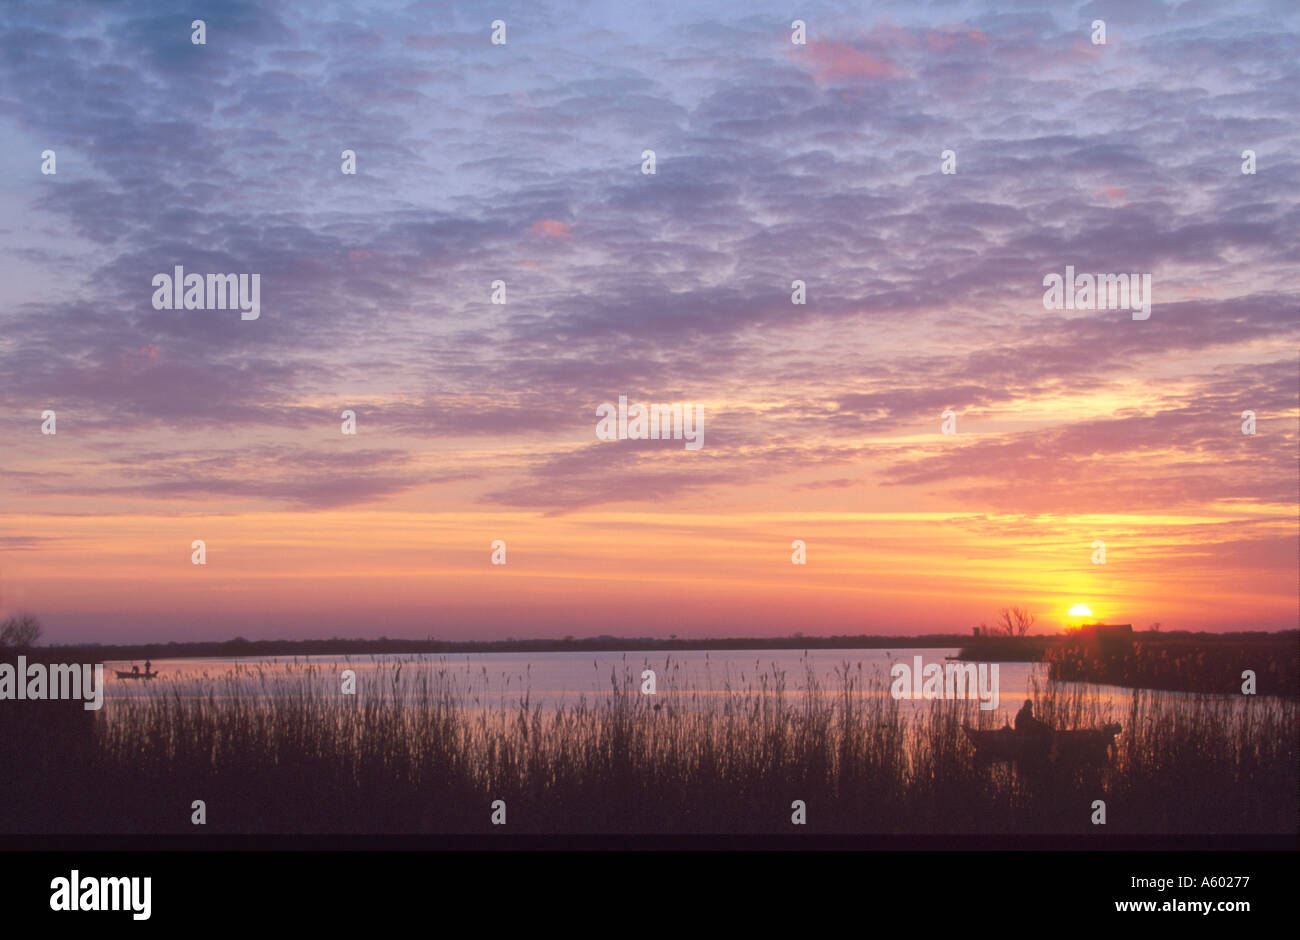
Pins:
<point x="135" y="670"/>
<point x="147" y="664"/>
<point x="1026" y="723"/>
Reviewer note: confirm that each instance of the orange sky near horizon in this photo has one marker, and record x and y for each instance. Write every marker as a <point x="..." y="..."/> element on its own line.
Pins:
<point x="699" y="573"/>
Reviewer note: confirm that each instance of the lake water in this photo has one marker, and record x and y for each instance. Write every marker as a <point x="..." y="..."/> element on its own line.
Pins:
<point x="563" y="678"/>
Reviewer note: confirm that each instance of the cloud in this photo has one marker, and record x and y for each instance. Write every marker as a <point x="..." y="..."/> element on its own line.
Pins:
<point x="835" y="61"/>
<point x="551" y="228"/>
<point x="775" y="163"/>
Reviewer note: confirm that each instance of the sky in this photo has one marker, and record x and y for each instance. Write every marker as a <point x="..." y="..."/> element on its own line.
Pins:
<point x="523" y="162"/>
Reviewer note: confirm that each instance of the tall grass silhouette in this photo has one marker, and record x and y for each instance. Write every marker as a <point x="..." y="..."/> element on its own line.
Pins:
<point x="426" y="747"/>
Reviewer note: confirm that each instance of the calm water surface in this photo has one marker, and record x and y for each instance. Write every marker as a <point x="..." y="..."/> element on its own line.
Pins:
<point x="564" y="678"/>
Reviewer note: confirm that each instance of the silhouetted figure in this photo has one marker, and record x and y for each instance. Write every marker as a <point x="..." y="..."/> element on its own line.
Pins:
<point x="1026" y="723"/>
<point x="147" y="664"/>
<point x="135" y="670"/>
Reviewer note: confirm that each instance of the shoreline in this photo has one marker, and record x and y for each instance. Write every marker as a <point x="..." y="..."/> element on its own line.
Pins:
<point x="1016" y="649"/>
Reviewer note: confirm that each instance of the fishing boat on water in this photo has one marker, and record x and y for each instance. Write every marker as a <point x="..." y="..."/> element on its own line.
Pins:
<point x="136" y="675"/>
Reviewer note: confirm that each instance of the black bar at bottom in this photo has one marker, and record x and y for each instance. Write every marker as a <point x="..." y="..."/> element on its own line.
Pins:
<point x="649" y="887"/>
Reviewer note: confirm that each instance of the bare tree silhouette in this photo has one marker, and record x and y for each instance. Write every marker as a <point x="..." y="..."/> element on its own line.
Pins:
<point x="20" y="632"/>
<point x="1013" y="621"/>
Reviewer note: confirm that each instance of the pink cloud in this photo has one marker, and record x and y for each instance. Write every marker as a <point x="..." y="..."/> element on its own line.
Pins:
<point x="1083" y="49"/>
<point x="551" y="228"/>
<point x="128" y="362"/>
<point x="839" y="60"/>
<point x="943" y="40"/>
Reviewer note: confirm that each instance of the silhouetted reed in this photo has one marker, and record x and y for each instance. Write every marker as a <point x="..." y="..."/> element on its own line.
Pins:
<point x="426" y="747"/>
<point x="1188" y="664"/>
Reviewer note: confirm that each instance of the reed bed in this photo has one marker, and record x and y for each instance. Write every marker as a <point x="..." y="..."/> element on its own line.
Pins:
<point x="424" y="747"/>
<point x="1188" y="664"/>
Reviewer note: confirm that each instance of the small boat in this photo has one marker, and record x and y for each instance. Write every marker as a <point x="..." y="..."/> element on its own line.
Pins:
<point x="136" y="675"/>
<point x="1084" y="746"/>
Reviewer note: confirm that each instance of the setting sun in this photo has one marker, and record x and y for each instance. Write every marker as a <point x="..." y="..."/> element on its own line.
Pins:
<point x="1080" y="610"/>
